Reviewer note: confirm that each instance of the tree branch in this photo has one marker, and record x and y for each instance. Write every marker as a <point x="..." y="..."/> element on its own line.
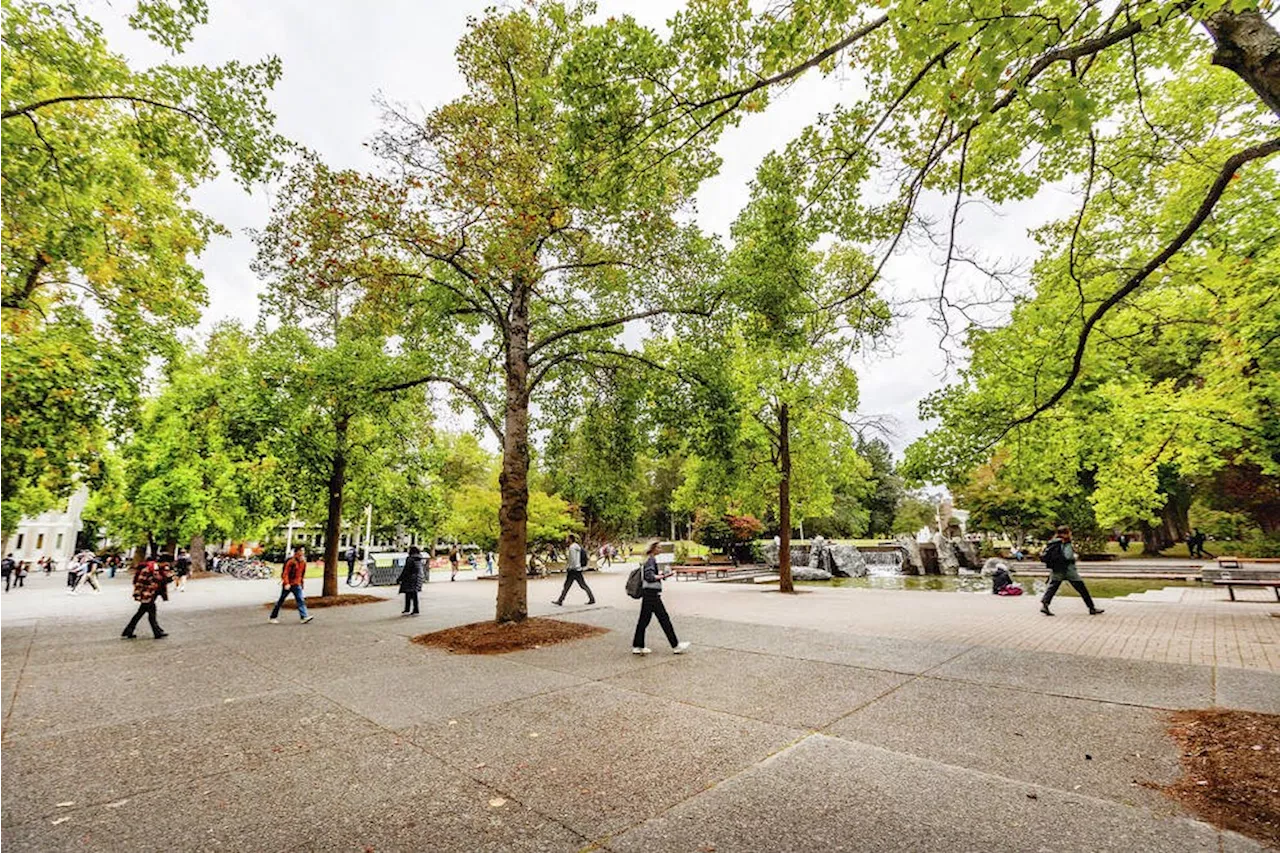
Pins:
<point x="463" y="388"/>
<point x="613" y="321"/>
<point x="1135" y="281"/>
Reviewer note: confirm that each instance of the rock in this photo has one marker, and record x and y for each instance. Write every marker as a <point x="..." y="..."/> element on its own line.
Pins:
<point x="818" y="556"/>
<point x="805" y="573"/>
<point x="847" y="561"/>
<point x="993" y="563"/>
<point x="912" y="562"/>
<point x="948" y="562"/>
<point x="769" y="550"/>
<point x="967" y="552"/>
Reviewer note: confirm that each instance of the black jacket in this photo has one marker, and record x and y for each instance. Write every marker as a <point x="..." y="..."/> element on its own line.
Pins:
<point x="410" y="579"/>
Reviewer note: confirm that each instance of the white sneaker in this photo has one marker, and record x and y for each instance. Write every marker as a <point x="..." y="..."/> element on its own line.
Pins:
<point x="274" y="621"/>
<point x="307" y="618"/>
<point x="681" y="647"/>
<point x="639" y="651"/>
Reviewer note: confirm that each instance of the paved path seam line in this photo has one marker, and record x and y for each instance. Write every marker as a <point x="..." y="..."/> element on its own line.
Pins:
<point x="17" y="688"/>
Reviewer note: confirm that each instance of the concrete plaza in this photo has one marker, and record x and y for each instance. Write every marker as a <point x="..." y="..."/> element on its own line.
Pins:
<point x="835" y="719"/>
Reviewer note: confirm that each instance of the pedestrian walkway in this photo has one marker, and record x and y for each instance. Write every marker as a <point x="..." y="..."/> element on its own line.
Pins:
<point x="835" y="719"/>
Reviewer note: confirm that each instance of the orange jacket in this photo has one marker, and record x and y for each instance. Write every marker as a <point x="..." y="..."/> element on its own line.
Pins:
<point x="294" y="571"/>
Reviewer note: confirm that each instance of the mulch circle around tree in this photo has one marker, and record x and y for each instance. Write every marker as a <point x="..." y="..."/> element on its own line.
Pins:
<point x="495" y="638"/>
<point x="331" y="601"/>
<point x="1231" y="765"/>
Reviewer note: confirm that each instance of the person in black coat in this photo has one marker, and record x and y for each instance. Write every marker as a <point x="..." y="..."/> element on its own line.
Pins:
<point x="410" y="580"/>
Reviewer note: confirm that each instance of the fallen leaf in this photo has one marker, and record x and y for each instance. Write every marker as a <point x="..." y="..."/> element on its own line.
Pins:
<point x="67" y="803"/>
<point x="497" y="803"/>
<point x="1032" y="797"/>
<point x="117" y="804"/>
<point x="60" y="820"/>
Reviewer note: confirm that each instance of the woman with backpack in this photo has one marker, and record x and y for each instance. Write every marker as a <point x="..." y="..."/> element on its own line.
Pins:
<point x="410" y="580"/>
<point x="651" y="605"/>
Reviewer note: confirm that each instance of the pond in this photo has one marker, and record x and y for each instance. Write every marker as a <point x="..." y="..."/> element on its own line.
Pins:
<point x="1098" y="587"/>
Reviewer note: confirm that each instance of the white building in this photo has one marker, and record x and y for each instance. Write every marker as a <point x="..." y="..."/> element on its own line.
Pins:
<point x="50" y="534"/>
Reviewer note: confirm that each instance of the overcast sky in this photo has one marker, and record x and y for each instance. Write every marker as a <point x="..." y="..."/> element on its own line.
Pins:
<point x="338" y="55"/>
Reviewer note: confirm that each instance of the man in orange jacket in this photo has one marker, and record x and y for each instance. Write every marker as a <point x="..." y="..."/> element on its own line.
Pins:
<point x="295" y="569"/>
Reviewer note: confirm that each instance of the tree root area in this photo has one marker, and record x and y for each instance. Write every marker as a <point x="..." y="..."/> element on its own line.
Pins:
<point x="319" y="601"/>
<point x="495" y="638"/>
<point x="1231" y="770"/>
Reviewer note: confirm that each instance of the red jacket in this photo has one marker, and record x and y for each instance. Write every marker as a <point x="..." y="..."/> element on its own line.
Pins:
<point x="294" y="571"/>
<point x="149" y="582"/>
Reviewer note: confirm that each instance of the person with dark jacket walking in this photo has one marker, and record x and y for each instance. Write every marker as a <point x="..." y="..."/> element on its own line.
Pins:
<point x="410" y="580"/>
<point x="351" y="562"/>
<point x="291" y="578"/>
<point x="651" y="605"/>
<point x="573" y="569"/>
<point x="1060" y="557"/>
<point x="150" y="581"/>
<point x="10" y="568"/>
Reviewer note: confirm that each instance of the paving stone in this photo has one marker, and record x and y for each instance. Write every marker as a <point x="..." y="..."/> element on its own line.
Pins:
<point x="440" y="685"/>
<point x="785" y="691"/>
<point x="1248" y="690"/>
<point x="1110" y="679"/>
<point x="1097" y="748"/>
<point x="599" y="758"/>
<point x="81" y="694"/>
<point x="829" y="794"/>
<point x="115" y="761"/>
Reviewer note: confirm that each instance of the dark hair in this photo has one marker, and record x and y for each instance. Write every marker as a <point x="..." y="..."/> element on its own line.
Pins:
<point x="413" y="549"/>
<point x="572" y="538"/>
<point x="297" y="548"/>
<point x="1064" y="528"/>
<point x="652" y="549"/>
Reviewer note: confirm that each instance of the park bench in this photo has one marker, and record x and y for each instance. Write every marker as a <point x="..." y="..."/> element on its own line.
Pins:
<point x="1226" y="562"/>
<point x="1232" y="584"/>
<point x="686" y="571"/>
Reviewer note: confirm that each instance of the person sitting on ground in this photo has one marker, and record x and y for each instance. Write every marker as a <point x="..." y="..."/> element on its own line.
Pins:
<point x="1002" y="582"/>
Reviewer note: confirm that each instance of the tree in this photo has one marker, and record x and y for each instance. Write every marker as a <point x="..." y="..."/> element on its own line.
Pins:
<point x="913" y="514"/>
<point x="790" y="347"/>
<point x="537" y="257"/>
<point x="886" y="485"/>
<point x="195" y="468"/>
<point x="328" y="282"/>
<point x="98" y="163"/>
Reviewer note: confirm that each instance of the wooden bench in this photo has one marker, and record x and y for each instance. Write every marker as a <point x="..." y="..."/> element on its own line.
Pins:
<point x="1232" y="584"/>
<point x="684" y="572"/>
<point x="1225" y="562"/>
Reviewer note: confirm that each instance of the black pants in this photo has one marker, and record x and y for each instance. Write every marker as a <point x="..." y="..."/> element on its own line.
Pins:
<point x="149" y="608"/>
<point x="572" y="576"/>
<point x="651" y="605"/>
<point x="351" y="570"/>
<point x="411" y="598"/>
<point x="1079" y="587"/>
<point x="6" y="583"/>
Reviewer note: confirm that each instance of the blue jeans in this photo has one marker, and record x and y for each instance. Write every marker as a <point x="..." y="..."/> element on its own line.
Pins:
<point x="296" y="589"/>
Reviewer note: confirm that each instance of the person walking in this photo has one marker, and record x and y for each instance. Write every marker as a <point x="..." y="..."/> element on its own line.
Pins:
<point x="573" y="572"/>
<point x="453" y="561"/>
<point x="651" y="605"/>
<point x="291" y="578"/>
<point x="1060" y="557"/>
<point x="21" y="572"/>
<point x="149" y="582"/>
<point x="351" y="562"/>
<point x="182" y="569"/>
<point x="410" y="581"/>
<point x="488" y="562"/>
<point x="8" y="567"/>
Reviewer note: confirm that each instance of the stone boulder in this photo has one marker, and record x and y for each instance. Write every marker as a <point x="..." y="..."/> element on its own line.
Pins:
<point x="912" y="562"/>
<point x="846" y="561"/>
<point x="948" y="562"/>
<point x="967" y="552"/>
<point x="805" y="573"/>
<point x="769" y="550"/>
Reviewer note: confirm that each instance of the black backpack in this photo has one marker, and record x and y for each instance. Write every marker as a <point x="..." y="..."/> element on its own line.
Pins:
<point x="1051" y="556"/>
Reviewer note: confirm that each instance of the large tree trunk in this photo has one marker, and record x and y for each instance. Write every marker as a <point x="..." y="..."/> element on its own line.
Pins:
<point x="333" y="520"/>
<point x="197" y="554"/>
<point x="784" y="501"/>
<point x="1248" y="45"/>
<point x="513" y="482"/>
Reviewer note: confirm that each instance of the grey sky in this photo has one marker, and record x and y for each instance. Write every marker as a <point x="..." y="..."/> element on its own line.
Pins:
<point x="338" y="55"/>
